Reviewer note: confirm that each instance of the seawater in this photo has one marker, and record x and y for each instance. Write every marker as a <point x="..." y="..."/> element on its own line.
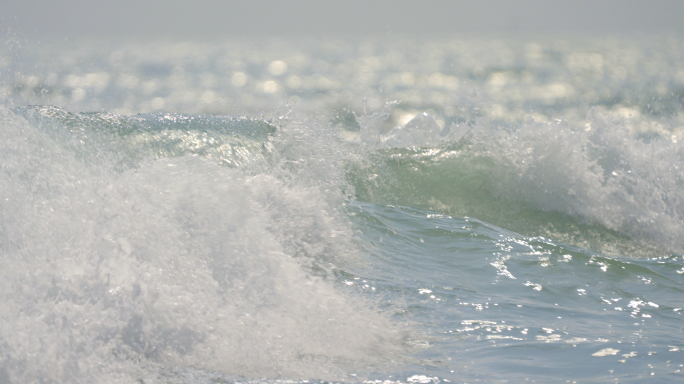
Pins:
<point x="451" y="210"/>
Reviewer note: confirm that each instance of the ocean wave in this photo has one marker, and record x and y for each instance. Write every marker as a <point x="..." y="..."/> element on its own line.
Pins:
<point x="597" y="185"/>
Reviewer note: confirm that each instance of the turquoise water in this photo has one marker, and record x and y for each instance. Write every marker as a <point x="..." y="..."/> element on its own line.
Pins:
<point x="456" y="211"/>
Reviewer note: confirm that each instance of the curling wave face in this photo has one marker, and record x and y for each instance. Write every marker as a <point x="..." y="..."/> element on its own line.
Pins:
<point x="597" y="186"/>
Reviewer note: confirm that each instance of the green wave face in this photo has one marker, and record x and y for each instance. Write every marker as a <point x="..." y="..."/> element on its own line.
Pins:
<point x="466" y="185"/>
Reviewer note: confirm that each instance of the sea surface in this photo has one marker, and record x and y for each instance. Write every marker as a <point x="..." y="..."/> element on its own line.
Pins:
<point x="461" y="210"/>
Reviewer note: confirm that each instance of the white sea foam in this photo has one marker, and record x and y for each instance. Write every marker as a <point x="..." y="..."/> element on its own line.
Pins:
<point x="604" y="175"/>
<point x="176" y="262"/>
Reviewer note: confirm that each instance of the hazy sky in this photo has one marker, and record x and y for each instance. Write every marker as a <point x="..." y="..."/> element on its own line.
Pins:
<point x="316" y="17"/>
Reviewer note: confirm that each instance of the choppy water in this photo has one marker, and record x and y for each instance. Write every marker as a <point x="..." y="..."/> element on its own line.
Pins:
<point x="264" y="211"/>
